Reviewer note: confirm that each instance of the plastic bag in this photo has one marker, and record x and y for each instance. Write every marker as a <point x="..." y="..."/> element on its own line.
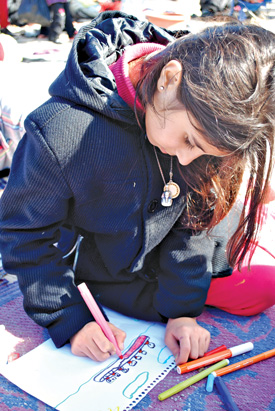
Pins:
<point x="34" y="11"/>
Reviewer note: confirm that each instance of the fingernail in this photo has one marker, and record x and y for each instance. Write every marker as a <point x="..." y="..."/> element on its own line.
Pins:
<point x="111" y="353"/>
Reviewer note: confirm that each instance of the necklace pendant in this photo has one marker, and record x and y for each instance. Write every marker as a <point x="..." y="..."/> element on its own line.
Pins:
<point x="166" y="197"/>
<point x="173" y="188"/>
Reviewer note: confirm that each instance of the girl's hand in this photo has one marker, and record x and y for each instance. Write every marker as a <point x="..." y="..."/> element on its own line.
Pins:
<point x="91" y="342"/>
<point x="186" y="338"/>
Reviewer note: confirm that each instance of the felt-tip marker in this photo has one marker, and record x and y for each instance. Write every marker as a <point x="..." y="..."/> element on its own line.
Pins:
<point x="215" y="350"/>
<point x="192" y="380"/>
<point x="237" y="366"/>
<point x="98" y="316"/>
<point x="210" y="359"/>
<point x="225" y="394"/>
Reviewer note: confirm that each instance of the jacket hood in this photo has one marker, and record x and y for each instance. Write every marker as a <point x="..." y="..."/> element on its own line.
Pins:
<point x="87" y="79"/>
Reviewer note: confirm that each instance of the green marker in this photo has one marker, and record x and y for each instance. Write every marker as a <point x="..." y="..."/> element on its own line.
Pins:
<point x="184" y="384"/>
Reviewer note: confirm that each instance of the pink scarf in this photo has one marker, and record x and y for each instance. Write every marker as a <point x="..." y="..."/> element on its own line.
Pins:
<point x="120" y="70"/>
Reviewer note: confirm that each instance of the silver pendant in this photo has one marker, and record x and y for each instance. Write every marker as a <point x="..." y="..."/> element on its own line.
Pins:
<point x="171" y="189"/>
<point x="166" y="197"/>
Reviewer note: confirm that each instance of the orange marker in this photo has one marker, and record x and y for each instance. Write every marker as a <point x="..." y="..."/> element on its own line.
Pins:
<point x="245" y="363"/>
<point x="214" y="351"/>
<point x="210" y="359"/>
<point x="237" y="366"/>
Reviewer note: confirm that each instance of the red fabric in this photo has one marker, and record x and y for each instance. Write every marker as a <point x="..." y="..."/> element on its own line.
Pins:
<point x="110" y="5"/>
<point x="4" y="14"/>
<point x="249" y="292"/>
<point x="271" y="194"/>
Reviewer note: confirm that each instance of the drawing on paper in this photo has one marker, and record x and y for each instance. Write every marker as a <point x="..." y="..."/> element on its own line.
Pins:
<point x="130" y="359"/>
<point x="68" y="383"/>
<point x="131" y="389"/>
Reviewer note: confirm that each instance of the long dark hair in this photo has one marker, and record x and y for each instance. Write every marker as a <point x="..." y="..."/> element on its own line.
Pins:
<point x="228" y="87"/>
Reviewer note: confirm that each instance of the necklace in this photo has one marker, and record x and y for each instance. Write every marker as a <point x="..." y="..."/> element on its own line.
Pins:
<point x="171" y="189"/>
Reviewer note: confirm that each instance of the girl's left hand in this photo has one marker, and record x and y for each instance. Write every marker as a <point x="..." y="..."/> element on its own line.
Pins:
<point x="186" y="338"/>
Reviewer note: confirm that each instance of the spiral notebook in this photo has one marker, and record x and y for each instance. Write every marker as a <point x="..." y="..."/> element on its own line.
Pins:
<point x="66" y="382"/>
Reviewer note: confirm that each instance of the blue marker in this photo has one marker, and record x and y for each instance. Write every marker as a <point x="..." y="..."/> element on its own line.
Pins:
<point x="225" y="394"/>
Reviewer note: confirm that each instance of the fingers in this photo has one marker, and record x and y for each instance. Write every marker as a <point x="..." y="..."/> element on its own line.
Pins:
<point x="185" y="347"/>
<point x="186" y="339"/>
<point x="119" y="335"/>
<point x="199" y="346"/>
<point x="173" y="345"/>
<point x="193" y="345"/>
<point x="91" y="342"/>
<point x="92" y="352"/>
<point x="102" y="347"/>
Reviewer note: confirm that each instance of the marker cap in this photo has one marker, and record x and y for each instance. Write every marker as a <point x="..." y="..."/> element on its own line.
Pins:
<point x="210" y="382"/>
<point x="240" y="349"/>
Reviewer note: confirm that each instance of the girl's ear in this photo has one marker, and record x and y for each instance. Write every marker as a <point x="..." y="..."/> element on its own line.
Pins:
<point x="170" y="75"/>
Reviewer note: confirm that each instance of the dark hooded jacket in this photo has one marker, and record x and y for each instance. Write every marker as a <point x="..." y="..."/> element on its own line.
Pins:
<point x="85" y="164"/>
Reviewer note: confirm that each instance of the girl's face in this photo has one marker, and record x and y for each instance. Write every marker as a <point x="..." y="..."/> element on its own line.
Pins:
<point x="170" y="127"/>
<point x="174" y="134"/>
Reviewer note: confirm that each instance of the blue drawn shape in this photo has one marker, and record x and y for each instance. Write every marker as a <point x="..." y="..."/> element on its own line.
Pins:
<point x="164" y="355"/>
<point x="131" y="389"/>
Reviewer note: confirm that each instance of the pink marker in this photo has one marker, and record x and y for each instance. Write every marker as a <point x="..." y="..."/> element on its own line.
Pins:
<point x="98" y="316"/>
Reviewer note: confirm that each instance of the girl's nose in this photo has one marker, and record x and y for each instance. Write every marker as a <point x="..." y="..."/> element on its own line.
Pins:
<point x="186" y="156"/>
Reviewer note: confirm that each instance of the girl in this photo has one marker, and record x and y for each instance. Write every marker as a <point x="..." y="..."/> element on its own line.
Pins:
<point x="141" y="151"/>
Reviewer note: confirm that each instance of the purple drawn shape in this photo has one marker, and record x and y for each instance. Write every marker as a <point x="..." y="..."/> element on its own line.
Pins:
<point x="130" y="359"/>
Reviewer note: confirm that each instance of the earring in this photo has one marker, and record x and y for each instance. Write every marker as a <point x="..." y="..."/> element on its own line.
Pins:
<point x="161" y="87"/>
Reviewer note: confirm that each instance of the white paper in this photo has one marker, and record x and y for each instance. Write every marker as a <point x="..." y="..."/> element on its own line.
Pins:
<point x="67" y="382"/>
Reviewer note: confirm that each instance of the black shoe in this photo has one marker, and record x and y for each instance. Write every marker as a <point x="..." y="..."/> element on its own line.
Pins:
<point x="6" y="31"/>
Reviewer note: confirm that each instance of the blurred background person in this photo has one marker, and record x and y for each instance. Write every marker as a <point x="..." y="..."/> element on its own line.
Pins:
<point x="61" y="19"/>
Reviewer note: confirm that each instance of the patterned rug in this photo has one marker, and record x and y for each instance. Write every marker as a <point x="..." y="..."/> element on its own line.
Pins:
<point x="252" y="388"/>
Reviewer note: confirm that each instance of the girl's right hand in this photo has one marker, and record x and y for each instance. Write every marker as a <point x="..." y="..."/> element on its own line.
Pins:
<point x="91" y="342"/>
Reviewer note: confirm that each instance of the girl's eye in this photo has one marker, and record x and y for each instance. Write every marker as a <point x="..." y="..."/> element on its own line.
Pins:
<point x="188" y="143"/>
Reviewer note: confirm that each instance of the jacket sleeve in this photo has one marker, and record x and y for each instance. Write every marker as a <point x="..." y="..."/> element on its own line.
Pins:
<point x="33" y="208"/>
<point x="185" y="270"/>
